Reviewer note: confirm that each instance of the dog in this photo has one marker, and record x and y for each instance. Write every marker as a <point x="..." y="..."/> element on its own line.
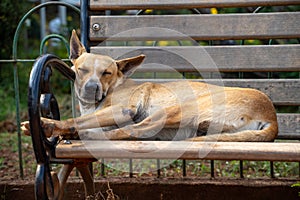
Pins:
<point x="184" y="110"/>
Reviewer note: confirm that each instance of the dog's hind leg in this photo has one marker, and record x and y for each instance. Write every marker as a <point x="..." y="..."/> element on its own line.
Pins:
<point x="266" y="134"/>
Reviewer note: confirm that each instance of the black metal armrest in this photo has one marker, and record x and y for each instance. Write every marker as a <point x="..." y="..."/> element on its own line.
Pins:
<point x="42" y="103"/>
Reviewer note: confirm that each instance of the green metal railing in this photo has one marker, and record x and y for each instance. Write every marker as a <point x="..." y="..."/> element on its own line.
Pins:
<point x="15" y="60"/>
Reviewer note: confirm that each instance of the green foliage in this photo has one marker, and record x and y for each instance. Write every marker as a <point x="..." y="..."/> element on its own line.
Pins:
<point x="197" y="168"/>
<point x="28" y="48"/>
<point x="10" y="13"/>
<point x="296" y="185"/>
<point x="7" y="90"/>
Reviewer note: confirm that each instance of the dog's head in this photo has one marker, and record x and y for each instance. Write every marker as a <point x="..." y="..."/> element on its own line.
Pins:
<point x="97" y="75"/>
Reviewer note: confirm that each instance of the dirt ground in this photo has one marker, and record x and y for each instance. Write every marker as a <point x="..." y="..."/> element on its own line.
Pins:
<point x="164" y="189"/>
<point x="9" y="159"/>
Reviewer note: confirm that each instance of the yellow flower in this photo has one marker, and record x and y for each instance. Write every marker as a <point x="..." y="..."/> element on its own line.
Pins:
<point x="148" y="43"/>
<point x="163" y="43"/>
<point x="213" y="11"/>
<point x="148" y="11"/>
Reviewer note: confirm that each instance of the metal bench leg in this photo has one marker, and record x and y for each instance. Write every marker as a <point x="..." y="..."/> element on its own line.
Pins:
<point x="41" y="181"/>
<point x="88" y="179"/>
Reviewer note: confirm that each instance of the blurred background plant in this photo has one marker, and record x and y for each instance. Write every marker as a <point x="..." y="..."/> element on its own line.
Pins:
<point x="11" y="12"/>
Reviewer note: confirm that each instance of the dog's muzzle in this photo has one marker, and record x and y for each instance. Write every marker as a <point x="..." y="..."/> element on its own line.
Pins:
<point x="90" y="93"/>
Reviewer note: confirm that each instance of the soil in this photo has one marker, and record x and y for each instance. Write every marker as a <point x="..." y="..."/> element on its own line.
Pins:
<point x="9" y="159"/>
<point x="165" y="188"/>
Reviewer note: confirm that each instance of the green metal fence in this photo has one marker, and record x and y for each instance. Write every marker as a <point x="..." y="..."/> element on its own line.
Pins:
<point x="15" y="60"/>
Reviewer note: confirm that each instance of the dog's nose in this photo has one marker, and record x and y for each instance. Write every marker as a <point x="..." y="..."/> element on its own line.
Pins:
<point x="91" y="86"/>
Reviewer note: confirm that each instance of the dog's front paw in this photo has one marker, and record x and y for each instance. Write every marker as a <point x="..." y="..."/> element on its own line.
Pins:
<point x="50" y="127"/>
<point x="47" y="125"/>
<point x="25" y="128"/>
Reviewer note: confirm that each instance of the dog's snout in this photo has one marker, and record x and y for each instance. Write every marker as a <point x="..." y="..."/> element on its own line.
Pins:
<point x="91" y="86"/>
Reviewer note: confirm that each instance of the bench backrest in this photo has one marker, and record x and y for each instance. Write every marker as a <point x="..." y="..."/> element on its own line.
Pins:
<point x="255" y="46"/>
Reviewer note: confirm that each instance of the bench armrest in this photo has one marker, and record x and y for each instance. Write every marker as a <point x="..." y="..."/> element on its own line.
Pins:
<point x="42" y="103"/>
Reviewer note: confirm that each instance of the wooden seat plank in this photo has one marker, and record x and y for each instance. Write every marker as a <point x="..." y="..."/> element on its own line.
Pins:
<point x="199" y="27"/>
<point x="167" y="4"/>
<point x="180" y="149"/>
<point x="223" y="58"/>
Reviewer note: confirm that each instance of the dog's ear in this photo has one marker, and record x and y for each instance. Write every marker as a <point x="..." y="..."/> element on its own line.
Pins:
<point x="76" y="48"/>
<point x="128" y="65"/>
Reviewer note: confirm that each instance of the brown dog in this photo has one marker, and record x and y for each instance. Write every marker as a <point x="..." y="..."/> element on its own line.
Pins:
<point x="174" y="110"/>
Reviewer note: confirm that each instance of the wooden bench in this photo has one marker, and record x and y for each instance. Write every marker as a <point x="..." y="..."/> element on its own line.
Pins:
<point x="227" y="55"/>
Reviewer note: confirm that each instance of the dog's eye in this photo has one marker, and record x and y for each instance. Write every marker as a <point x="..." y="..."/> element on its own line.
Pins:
<point x="83" y="70"/>
<point x="106" y="73"/>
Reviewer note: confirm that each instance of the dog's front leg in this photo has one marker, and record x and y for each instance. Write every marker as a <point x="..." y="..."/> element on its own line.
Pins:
<point x="109" y="116"/>
<point x="165" y="118"/>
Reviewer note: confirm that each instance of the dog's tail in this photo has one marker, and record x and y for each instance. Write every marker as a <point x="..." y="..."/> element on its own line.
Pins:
<point x="266" y="134"/>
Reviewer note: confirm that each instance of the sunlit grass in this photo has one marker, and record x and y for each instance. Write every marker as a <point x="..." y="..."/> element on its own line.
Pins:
<point x="196" y="168"/>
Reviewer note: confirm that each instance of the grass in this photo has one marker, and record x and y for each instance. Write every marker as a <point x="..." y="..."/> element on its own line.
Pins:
<point x="196" y="168"/>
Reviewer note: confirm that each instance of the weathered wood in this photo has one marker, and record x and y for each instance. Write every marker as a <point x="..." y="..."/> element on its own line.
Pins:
<point x="200" y="27"/>
<point x="289" y="126"/>
<point x="167" y="4"/>
<point x="180" y="149"/>
<point x="88" y="179"/>
<point x="211" y="58"/>
<point x="281" y="91"/>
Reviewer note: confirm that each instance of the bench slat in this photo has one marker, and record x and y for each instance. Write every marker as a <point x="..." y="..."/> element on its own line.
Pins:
<point x="289" y="126"/>
<point x="180" y="149"/>
<point x="225" y="58"/>
<point x="281" y="91"/>
<point x="200" y="27"/>
<point x="167" y="4"/>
